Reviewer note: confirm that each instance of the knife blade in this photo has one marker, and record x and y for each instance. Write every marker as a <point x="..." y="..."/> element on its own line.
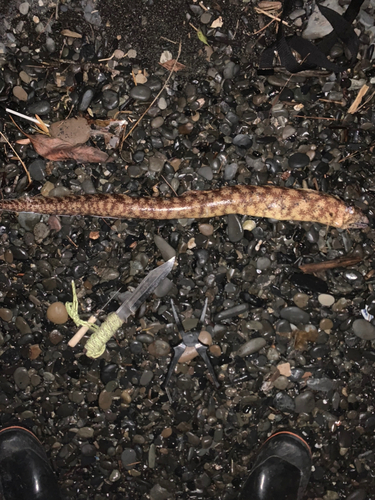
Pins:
<point x="95" y="346"/>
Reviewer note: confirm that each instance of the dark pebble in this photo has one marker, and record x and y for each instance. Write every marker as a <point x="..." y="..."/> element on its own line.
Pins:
<point x="298" y="160"/>
<point x="40" y="108"/>
<point x="140" y="92"/>
<point x="309" y="283"/>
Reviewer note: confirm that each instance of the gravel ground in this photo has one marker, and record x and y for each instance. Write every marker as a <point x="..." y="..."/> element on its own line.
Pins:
<point x="291" y="350"/>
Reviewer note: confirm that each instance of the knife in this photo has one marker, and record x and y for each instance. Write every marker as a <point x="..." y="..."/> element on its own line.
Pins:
<point x="96" y="344"/>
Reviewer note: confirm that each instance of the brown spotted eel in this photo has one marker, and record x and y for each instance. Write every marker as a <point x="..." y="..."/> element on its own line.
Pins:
<point x="258" y="201"/>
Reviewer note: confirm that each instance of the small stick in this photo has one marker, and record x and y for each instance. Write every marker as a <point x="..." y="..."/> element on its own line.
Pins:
<point x="34" y="120"/>
<point x="329" y="264"/>
<point x="18" y="156"/>
<point x="81" y="332"/>
<point x="261" y="11"/>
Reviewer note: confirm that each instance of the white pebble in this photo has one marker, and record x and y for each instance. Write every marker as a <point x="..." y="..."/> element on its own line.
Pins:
<point x="24" y="8"/>
<point x="326" y="300"/>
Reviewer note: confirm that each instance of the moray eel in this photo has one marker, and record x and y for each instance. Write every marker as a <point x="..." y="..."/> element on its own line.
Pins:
<point x="257" y="201"/>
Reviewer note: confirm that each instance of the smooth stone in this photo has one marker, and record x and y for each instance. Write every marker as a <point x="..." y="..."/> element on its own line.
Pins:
<point x="295" y="315"/>
<point x="231" y="312"/>
<point x="24" y="8"/>
<point x="156" y="164"/>
<point x="140" y="92"/>
<point x="28" y="220"/>
<point x="22" y="325"/>
<point x="110" y="99"/>
<point x="320" y="384"/>
<point x="288" y="131"/>
<point x="129" y="458"/>
<point x="230" y="171"/>
<point x="363" y="329"/>
<point x="85" y="432"/>
<point x="263" y="263"/>
<point x="234" y="228"/>
<point x="298" y="160"/>
<point x="20" y="93"/>
<point x="37" y="170"/>
<point x="108" y="373"/>
<point x="163" y="288"/>
<point x="86" y="99"/>
<point x="41" y="231"/>
<point x="301" y="300"/>
<point x="166" y="250"/>
<point x="57" y="313"/>
<point x="21" y="378"/>
<point x="105" y="400"/>
<point x="206" y="229"/>
<point x="243" y="141"/>
<point x="6" y="314"/>
<point x="253" y="345"/>
<point x="146" y="377"/>
<point x="305" y="402"/>
<point x="357" y="495"/>
<point x="159" y="348"/>
<point x="283" y="402"/>
<point x="206" y="173"/>
<point x="157" y="122"/>
<point x="39" y="108"/>
<point x="281" y="383"/>
<point x="326" y="300"/>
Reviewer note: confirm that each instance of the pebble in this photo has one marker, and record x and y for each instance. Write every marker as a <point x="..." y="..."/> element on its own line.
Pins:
<point x="24" y="8"/>
<point x="40" y="108"/>
<point x="326" y="300"/>
<point x="140" y="92"/>
<point x="305" y="402"/>
<point x="129" y="458"/>
<point x="105" y="400"/>
<point x="159" y="349"/>
<point x="363" y="329"/>
<point x="21" y="378"/>
<point x="231" y="312"/>
<point x="295" y="315"/>
<point x="6" y="314"/>
<point x="57" y="313"/>
<point x="235" y="229"/>
<point x="298" y="160"/>
<point x="283" y="402"/>
<point x="253" y="345"/>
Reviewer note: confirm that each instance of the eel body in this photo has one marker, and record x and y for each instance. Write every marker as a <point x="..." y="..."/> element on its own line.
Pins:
<point x="258" y="201"/>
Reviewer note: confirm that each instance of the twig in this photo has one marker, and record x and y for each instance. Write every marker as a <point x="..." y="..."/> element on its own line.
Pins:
<point x="155" y="99"/>
<point x="168" y="40"/>
<point x="264" y="27"/>
<point x="367" y="100"/>
<point x="261" y="11"/>
<point x="34" y="120"/>
<point x="330" y="264"/>
<point x="165" y="180"/>
<point x="315" y="118"/>
<point x="19" y="159"/>
<point x="354" y="107"/>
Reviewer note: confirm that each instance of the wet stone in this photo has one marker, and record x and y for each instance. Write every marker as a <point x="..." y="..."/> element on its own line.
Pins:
<point x="320" y="384"/>
<point x="363" y="329"/>
<point x="37" y="170"/>
<point x="231" y="312"/>
<point x="105" y="400"/>
<point x="146" y="377"/>
<point x="283" y="402"/>
<point x="110" y="99"/>
<point x="28" y="220"/>
<point x="21" y="378"/>
<point x="159" y="348"/>
<point x="250" y="347"/>
<point x="140" y="92"/>
<point x="22" y="325"/>
<point x="235" y="230"/>
<point x="57" y="313"/>
<point x="40" y="108"/>
<point x="305" y="402"/>
<point x="298" y="160"/>
<point x="5" y="314"/>
<point x="295" y="315"/>
<point x="309" y="283"/>
<point x="129" y="458"/>
<point x="326" y="300"/>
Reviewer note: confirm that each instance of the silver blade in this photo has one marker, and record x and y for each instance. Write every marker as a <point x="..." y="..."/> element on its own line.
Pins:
<point x="144" y="289"/>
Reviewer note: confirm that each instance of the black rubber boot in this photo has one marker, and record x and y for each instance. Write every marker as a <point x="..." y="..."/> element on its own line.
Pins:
<point x="281" y="470"/>
<point x="25" y="471"/>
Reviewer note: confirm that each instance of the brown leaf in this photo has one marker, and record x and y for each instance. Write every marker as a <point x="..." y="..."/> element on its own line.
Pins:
<point x="169" y="65"/>
<point x="42" y="125"/>
<point x="74" y="131"/>
<point x="56" y="149"/>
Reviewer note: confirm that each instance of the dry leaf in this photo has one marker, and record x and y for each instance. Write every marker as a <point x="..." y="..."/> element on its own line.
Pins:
<point x="169" y="65"/>
<point x="34" y="351"/>
<point x="23" y="141"/>
<point x="43" y="127"/>
<point x="72" y="34"/>
<point x="74" y="131"/>
<point x="218" y="23"/>
<point x="56" y="149"/>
